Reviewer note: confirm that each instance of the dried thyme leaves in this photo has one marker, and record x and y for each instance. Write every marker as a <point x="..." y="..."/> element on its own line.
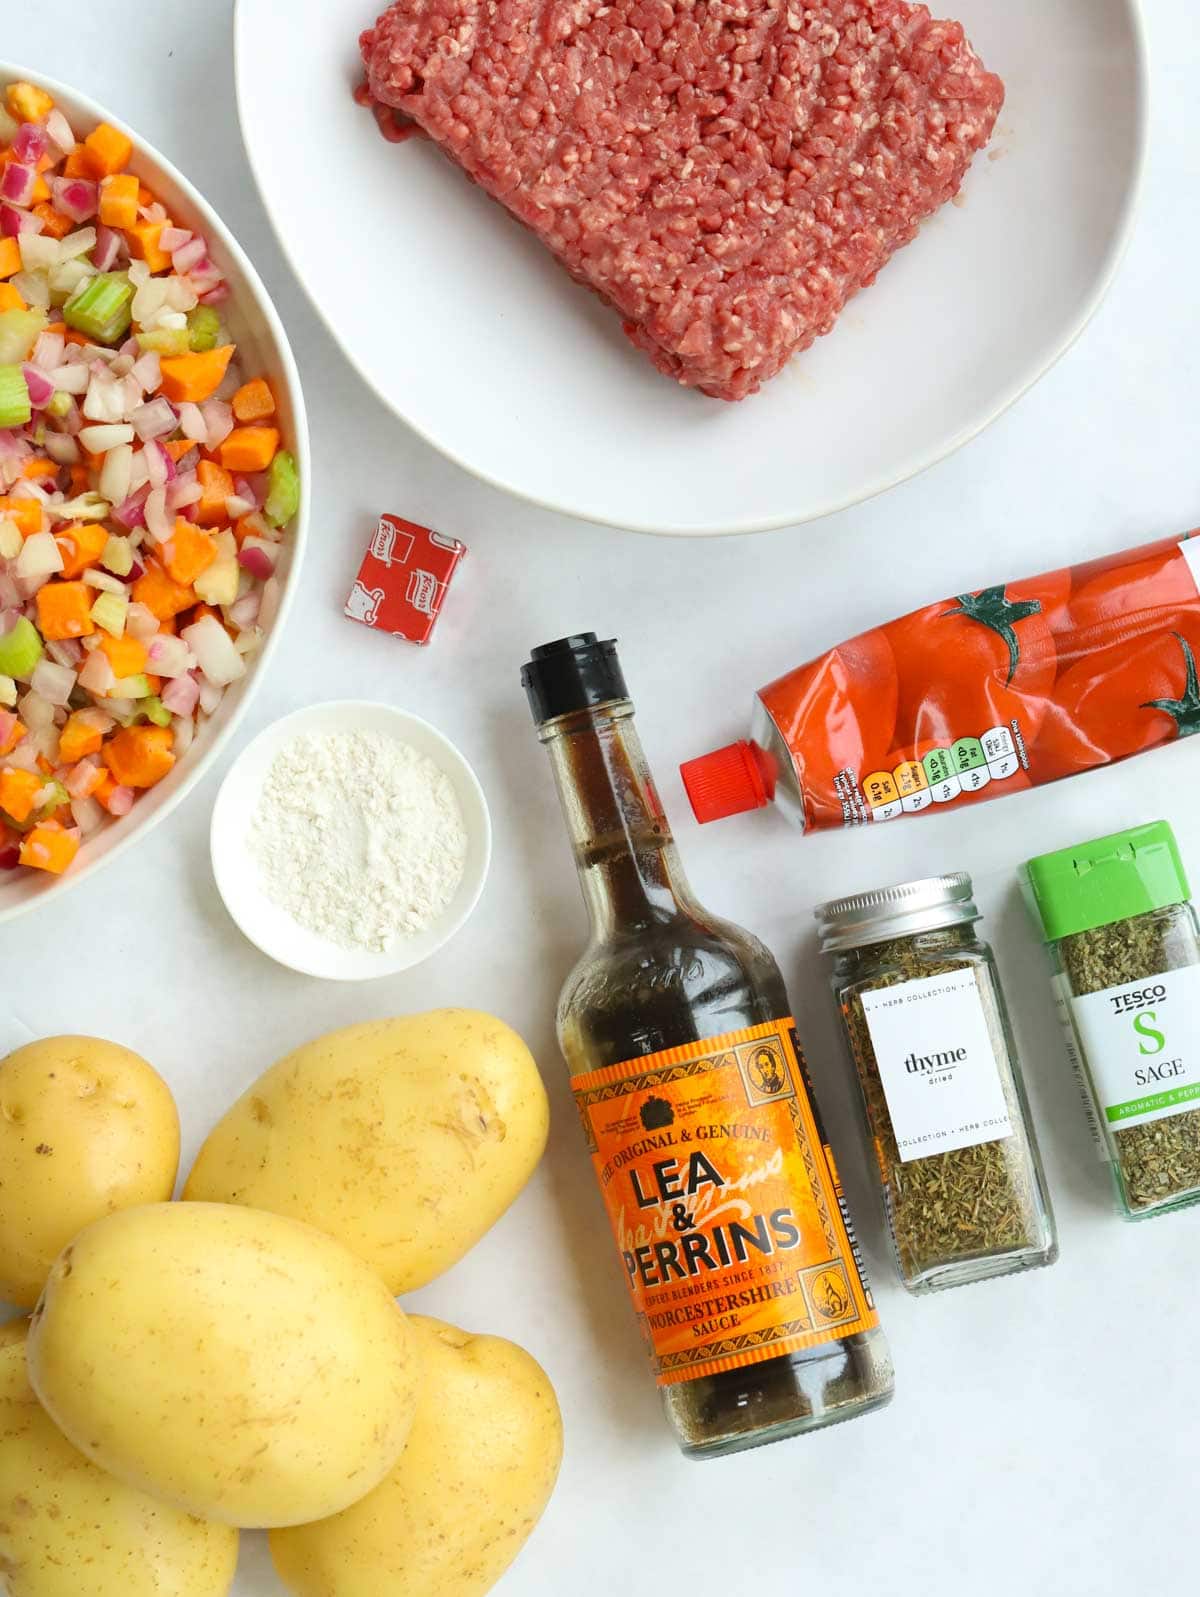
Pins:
<point x="1159" y="1158"/>
<point x="965" y="1203"/>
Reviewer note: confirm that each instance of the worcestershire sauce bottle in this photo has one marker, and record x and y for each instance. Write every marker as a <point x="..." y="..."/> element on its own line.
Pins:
<point x="695" y="1103"/>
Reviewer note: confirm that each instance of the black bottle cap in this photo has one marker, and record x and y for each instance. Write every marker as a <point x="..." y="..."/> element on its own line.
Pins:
<point x="572" y="674"/>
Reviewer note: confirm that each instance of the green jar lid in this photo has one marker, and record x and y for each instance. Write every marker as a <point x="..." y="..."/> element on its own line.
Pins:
<point x="1109" y="879"/>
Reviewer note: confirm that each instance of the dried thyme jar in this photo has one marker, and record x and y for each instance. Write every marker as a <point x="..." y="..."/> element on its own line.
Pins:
<point x="1117" y="915"/>
<point x="963" y="1189"/>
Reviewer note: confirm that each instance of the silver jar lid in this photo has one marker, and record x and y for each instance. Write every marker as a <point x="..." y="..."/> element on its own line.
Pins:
<point x="902" y="911"/>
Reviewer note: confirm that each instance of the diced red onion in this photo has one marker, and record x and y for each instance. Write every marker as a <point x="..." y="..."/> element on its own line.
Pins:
<point x="188" y="255"/>
<point x="120" y="801"/>
<point x="210" y="695"/>
<point x="115" y="474"/>
<point x="70" y="379"/>
<point x="61" y="448"/>
<point x="173" y="238"/>
<point x="107" y="251"/>
<point x="154" y="419"/>
<point x="17" y="183"/>
<point x="96" y="674"/>
<point x="243" y="488"/>
<point x="192" y="423"/>
<point x="218" y="419"/>
<point x="75" y="197"/>
<point x="190" y="512"/>
<point x="8" y="722"/>
<point x="269" y="608"/>
<point x="58" y="131"/>
<point x="252" y="557"/>
<point x="105" y="400"/>
<point x="147" y="371"/>
<point x="37" y="711"/>
<point x="67" y="651"/>
<point x="41" y="388"/>
<point x="133" y="512"/>
<point x="258" y="484"/>
<point x="10" y="855"/>
<point x="48" y="351"/>
<point x="156" y="471"/>
<point x="29" y="143"/>
<point x="230" y="383"/>
<point x="140" y="622"/>
<point x="215" y="296"/>
<point x="236" y="507"/>
<point x="214" y="651"/>
<point x="244" y="611"/>
<point x="181" y="695"/>
<point x="78" y="780"/>
<point x="87" y="813"/>
<point x="169" y="656"/>
<point x="52" y="682"/>
<point x="158" y="523"/>
<point x="183" y="729"/>
<point x="184" y="491"/>
<point x="14" y="222"/>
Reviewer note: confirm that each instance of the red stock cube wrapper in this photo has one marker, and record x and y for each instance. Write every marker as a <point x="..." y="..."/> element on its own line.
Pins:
<point x="403" y="579"/>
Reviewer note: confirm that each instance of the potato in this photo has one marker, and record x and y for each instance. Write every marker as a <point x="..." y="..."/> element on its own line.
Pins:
<point x="478" y="1470"/>
<point x="67" y="1528"/>
<point x="86" y="1127"/>
<point x="239" y="1365"/>
<point x="405" y="1139"/>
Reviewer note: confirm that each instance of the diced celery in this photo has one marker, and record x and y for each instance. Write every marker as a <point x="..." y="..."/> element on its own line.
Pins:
<point x="10" y="538"/>
<point x="155" y="710"/>
<point x="165" y="341"/>
<point x="19" y="332"/>
<point x="20" y="648"/>
<point x="59" y="406"/>
<point x="15" y="409"/>
<point x="8" y="692"/>
<point x="100" y="307"/>
<point x="135" y="687"/>
<point x="117" y="557"/>
<point x="109" y="612"/>
<point x="283" y="489"/>
<point x="57" y="797"/>
<point x="204" y="327"/>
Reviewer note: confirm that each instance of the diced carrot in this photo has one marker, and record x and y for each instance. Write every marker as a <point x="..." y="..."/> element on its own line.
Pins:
<point x="15" y="733"/>
<point x="76" y="740"/>
<point x="195" y="377"/>
<point x="161" y="594"/>
<point x="202" y="610"/>
<point x="74" y="336"/>
<point x="41" y="190"/>
<point x="80" y="479"/>
<point x="10" y="257"/>
<point x="140" y="756"/>
<point x="188" y="552"/>
<point x="10" y="299"/>
<point x="38" y="466"/>
<point x="170" y="624"/>
<point x="26" y="513"/>
<point x="77" y="163"/>
<point x="178" y="447"/>
<point x="80" y="544"/>
<point x="142" y="239"/>
<point x="217" y="485"/>
<point x="49" y="847"/>
<point x="249" y="448"/>
<point x="254" y="401"/>
<point x="104" y="788"/>
<point x="127" y="656"/>
<point x="119" y="200"/>
<point x="64" y="610"/>
<point x="54" y="223"/>
<point x="106" y="151"/>
<point x="17" y="789"/>
<point x="44" y="765"/>
<point x="27" y="102"/>
<point x="145" y="197"/>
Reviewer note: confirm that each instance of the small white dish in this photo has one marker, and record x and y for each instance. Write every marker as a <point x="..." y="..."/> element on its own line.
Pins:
<point x="272" y="929"/>
<point x="462" y="323"/>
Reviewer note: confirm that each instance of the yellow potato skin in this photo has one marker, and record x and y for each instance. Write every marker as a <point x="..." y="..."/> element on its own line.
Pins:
<point x="86" y="1127"/>
<point x="238" y="1365"/>
<point x="478" y="1470"/>
<point x="405" y="1139"/>
<point x="68" y="1529"/>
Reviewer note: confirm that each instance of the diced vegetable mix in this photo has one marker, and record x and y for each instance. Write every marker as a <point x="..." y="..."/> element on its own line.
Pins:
<point x="144" y="495"/>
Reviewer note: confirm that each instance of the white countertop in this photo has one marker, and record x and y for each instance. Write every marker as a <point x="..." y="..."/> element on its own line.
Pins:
<point x="1043" y="1427"/>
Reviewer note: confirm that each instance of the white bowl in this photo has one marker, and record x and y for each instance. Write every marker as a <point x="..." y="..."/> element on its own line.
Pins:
<point x="260" y="337"/>
<point x="273" y="930"/>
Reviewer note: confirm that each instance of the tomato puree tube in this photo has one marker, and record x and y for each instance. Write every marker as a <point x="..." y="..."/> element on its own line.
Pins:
<point x="975" y="696"/>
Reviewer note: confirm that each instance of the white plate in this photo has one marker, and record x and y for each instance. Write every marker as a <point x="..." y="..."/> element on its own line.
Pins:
<point x="271" y="928"/>
<point x="464" y="325"/>
<point x="262" y="342"/>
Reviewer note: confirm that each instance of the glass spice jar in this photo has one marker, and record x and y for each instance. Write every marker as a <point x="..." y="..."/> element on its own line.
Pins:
<point x="1123" y="934"/>
<point x="924" y="1015"/>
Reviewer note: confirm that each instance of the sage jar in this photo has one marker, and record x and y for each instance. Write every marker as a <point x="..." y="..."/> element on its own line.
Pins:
<point x="1117" y="915"/>
<point x="963" y="1191"/>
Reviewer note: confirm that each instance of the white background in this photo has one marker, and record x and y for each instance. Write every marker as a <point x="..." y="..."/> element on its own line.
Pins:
<point x="1043" y="1434"/>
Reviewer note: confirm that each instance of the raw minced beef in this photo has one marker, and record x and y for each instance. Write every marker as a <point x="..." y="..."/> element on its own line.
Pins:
<point x="726" y="173"/>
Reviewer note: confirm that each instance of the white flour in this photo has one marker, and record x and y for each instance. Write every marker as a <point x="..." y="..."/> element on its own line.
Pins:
<point x="358" y="837"/>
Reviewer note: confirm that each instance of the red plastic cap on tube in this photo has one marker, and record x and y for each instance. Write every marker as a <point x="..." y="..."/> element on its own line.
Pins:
<point x="728" y="781"/>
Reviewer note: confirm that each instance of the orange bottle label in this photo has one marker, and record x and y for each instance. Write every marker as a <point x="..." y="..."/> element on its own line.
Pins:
<point x="724" y="1201"/>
